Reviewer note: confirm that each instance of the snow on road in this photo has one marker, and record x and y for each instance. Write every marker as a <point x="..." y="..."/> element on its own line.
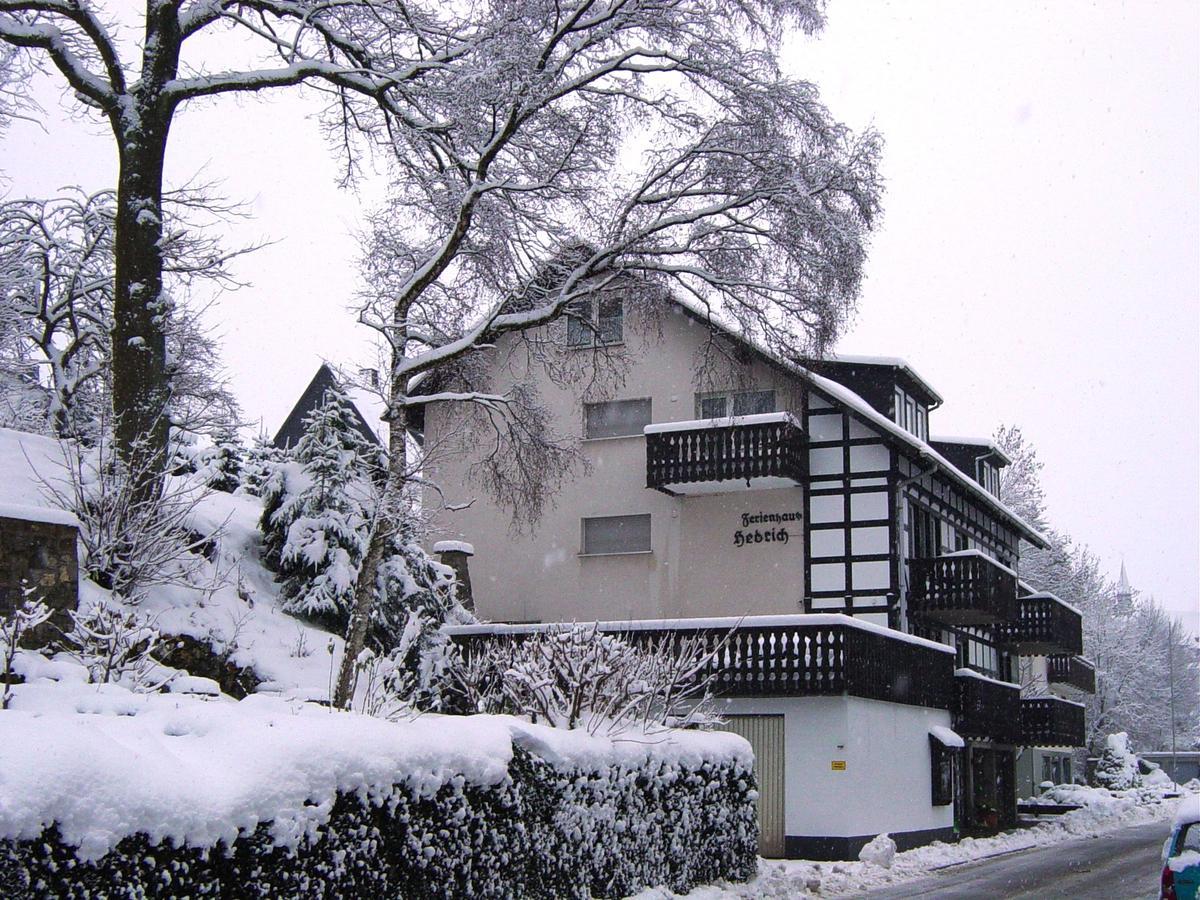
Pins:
<point x="1107" y="813"/>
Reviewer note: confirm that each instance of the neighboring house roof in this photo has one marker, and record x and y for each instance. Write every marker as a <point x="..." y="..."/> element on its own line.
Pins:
<point x="367" y="407"/>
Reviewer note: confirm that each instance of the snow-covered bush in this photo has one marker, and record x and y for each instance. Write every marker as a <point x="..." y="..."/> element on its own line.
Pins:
<point x="1117" y="768"/>
<point x="221" y="465"/>
<point x="132" y="541"/>
<point x="576" y="676"/>
<point x="14" y="627"/>
<point x="115" y="645"/>
<point x="258" y="464"/>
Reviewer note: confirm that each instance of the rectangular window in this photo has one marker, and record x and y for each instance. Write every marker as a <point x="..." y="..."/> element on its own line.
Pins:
<point x="616" y="534"/>
<point x="616" y="418"/>
<point x="922" y="423"/>
<point x="737" y="403"/>
<point x="712" y="407"/>
<point x="595" y="323"/>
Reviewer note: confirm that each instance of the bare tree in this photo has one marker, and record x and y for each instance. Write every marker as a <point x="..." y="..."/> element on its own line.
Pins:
<point x="567" y="150"/>
<point x="56" y="283"/>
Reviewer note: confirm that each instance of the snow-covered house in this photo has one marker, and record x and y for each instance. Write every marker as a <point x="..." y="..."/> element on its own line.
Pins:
<point x="868" y="572"/>
<point x="367" y="404"/>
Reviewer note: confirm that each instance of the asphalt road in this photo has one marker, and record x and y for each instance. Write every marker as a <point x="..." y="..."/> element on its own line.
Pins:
<point x="1121" y="865"/>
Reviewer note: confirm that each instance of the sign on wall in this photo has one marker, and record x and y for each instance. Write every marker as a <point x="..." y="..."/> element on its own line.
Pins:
<point x="767" y="528"/>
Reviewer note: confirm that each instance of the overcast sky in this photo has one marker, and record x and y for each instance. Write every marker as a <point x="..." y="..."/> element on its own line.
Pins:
<point x="1038" y="263"/>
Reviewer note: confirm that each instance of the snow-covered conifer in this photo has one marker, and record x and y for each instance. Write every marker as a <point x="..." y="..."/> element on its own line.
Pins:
<point x="1117" y="768"/>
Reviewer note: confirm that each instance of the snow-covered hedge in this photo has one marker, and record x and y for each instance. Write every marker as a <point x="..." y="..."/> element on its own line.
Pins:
<point x="176" y="796"/>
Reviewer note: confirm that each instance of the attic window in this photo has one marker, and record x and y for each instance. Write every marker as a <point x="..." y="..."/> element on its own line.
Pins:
<point x="595" y="322"/>
<point x="910" y="414"/>
<point x="988" y="475"/>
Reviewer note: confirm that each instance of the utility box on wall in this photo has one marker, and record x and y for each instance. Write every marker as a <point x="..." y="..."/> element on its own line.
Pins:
<point x="38" y="551"/>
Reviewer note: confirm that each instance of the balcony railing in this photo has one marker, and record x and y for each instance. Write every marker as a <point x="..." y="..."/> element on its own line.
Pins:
<point x="964" y="588"/>
<point x="1052" y="722"/>
<point x="788" y="656"/>
<point x="986" y="709"/>
<point x="713" y="455"/>
<point x="1073" y="671"/>
<point x="1046" y="626"/>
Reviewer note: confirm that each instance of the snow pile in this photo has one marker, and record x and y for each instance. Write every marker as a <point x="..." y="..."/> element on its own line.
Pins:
<point x="879" y="851"/>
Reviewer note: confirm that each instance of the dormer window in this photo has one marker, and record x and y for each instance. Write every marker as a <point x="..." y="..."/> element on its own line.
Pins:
<point x="722" y="404"/>
<point x="988" y="475"/>
<point x="596" y="322"/>
<point x="910" y="414"/>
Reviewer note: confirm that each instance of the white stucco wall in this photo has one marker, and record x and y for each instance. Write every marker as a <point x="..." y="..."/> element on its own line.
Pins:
<point x="886" y="785"/>
<point x="693" y="568"/>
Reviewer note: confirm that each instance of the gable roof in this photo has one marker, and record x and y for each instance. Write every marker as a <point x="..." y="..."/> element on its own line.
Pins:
<point x="292" y="429"/>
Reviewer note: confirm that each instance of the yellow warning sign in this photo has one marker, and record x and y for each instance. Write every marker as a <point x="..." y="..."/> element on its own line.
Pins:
<point x="838" y="765"/>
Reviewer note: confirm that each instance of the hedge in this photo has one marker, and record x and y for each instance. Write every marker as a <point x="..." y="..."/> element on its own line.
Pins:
<point x="543" y="831"/>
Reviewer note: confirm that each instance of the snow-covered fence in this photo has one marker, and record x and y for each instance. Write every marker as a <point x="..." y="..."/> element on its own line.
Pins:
<point x="263" y="799"/>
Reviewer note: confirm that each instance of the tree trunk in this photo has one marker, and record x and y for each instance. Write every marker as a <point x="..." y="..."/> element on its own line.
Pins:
<point x="141" y="381"/>
<point x="391" y="507"/>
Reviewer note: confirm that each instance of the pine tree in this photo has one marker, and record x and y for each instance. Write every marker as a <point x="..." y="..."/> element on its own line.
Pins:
<point x="415" y="597"/>
<point x="223" y="466"/>
<point x="316" y="511"/>
<point x="1117" y="768"/>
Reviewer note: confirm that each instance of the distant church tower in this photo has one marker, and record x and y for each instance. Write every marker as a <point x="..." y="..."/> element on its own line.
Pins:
<point x="1124" y="591"/>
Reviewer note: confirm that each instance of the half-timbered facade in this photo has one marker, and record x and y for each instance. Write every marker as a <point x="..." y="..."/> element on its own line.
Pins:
<point x="792" y="493"/>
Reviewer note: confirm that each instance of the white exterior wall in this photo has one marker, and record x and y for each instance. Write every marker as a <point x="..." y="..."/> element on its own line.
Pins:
<point x="693" y="568"/>
<point x="886" y="785"/>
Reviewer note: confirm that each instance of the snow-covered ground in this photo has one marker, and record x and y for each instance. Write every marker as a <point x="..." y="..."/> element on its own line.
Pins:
<point x="230" y="601"/>
<point x="1102" y="811"/>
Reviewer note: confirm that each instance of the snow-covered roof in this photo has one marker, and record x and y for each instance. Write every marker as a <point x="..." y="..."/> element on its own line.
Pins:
<point x="717" y="622"/>
<point x="31" y="468"/>
<point x="864" y="410"/>
<point x="947" y="737"/>
<point x="986" y="443"/>
<point x="454" y="547"/>
<point x="860" y="406"/>
<point x="894" y="362"/>
<point x="37" y="514"/>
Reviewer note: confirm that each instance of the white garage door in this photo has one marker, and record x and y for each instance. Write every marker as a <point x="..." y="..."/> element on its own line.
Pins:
<point x="765" y="734"/>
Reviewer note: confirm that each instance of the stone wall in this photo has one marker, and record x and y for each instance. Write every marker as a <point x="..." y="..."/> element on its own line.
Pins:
<point x="41" y="555"/>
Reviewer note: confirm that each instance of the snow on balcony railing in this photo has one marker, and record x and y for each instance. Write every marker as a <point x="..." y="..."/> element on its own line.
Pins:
<point x="768" y="446"/>
<point x="798" y="655"/>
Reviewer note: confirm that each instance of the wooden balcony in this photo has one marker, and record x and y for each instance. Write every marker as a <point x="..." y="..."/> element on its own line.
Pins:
<point x="789" y="656"/>
<point x="1072" y="671"/>
<point x="986" y="709"/>
<point x="1046" y="627"/>
<point x="1052" y="722"/>
<point x="711" y="456"/>
<point x="964" y="588"/>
